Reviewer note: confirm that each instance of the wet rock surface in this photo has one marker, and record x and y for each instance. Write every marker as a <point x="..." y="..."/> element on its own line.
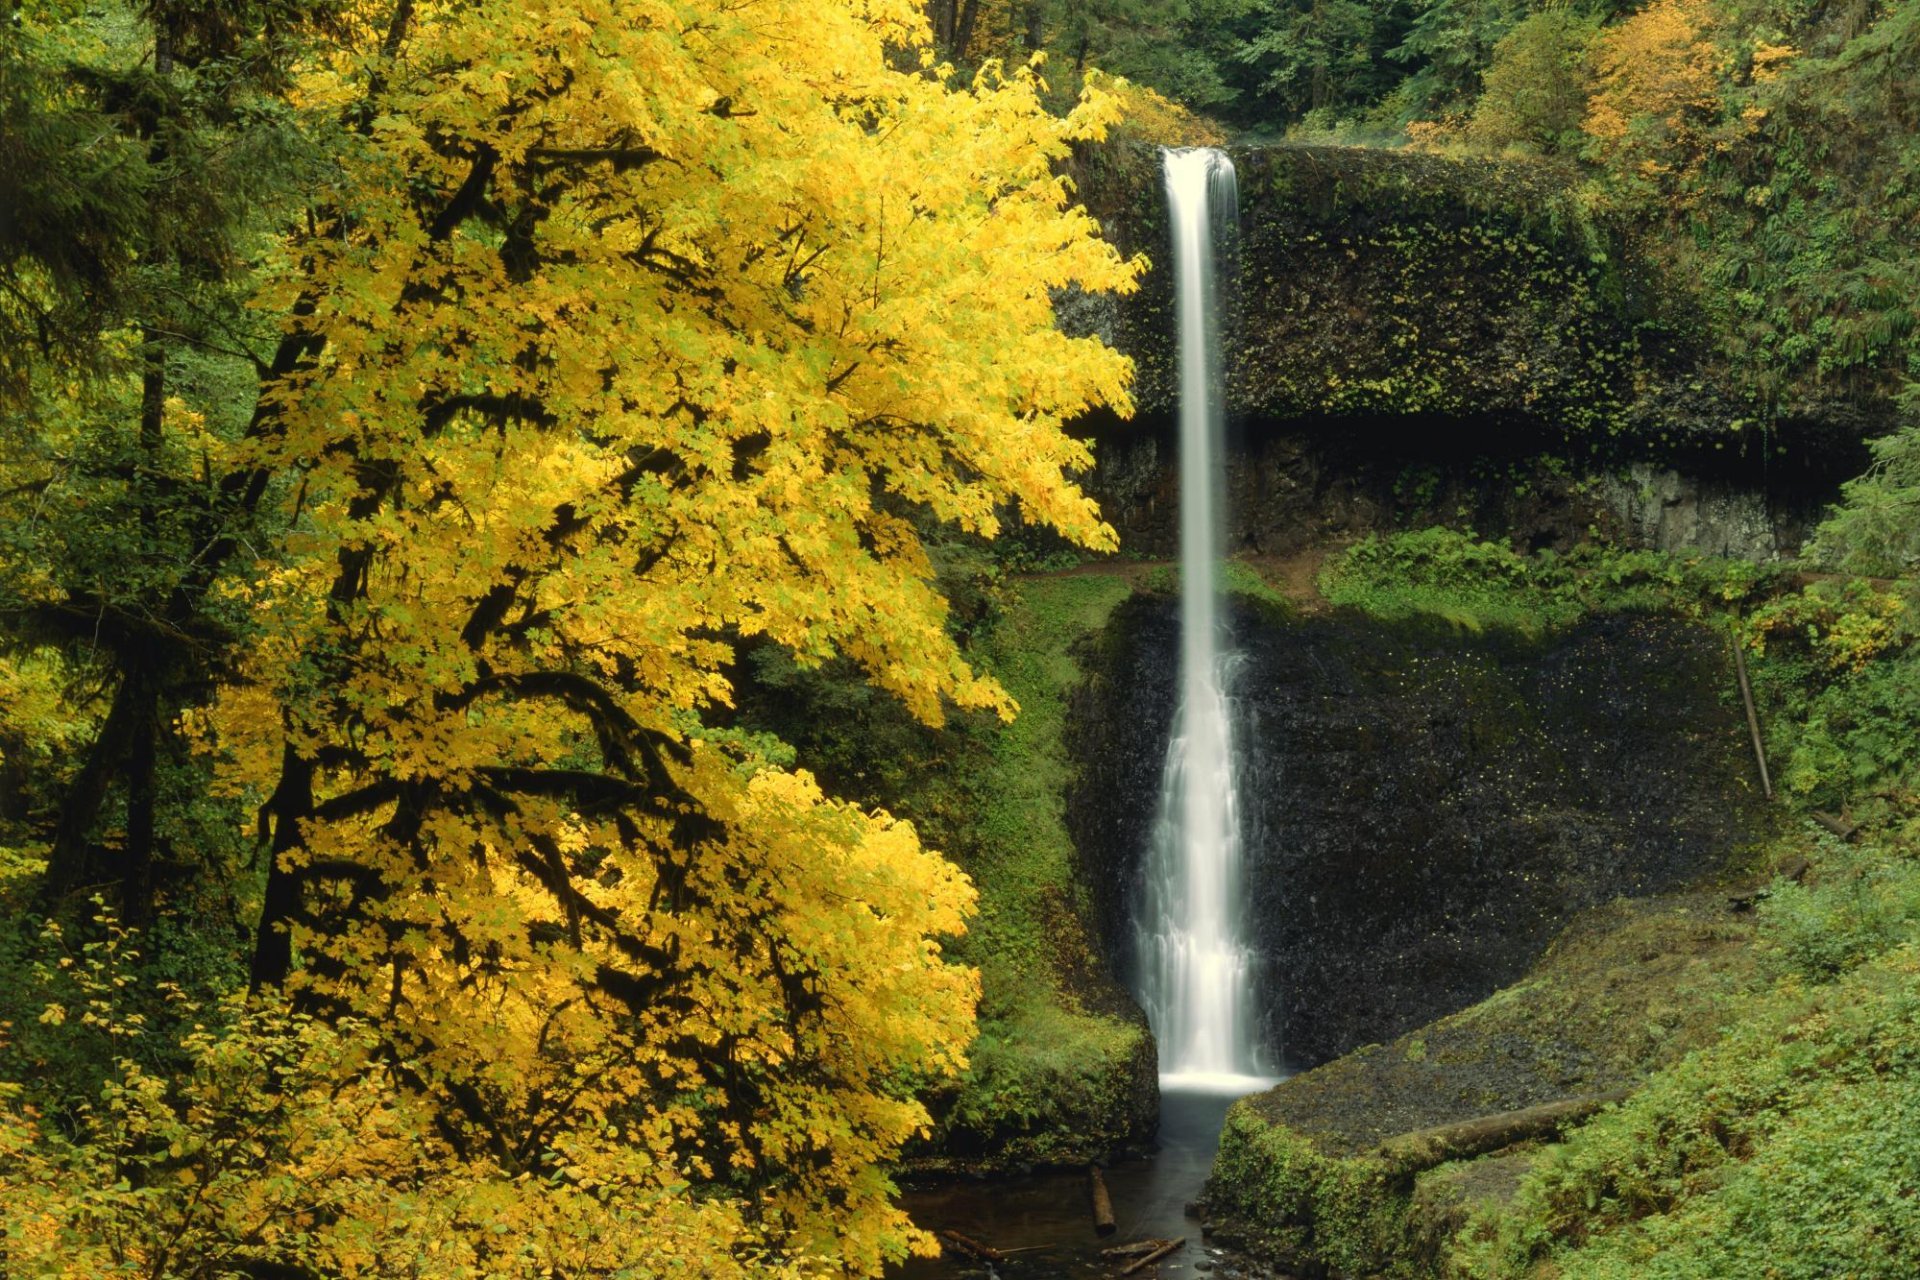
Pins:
<point x="1423" y="810"/>
<point x="1300" y="483"/>
<point x="1372" y="281"/>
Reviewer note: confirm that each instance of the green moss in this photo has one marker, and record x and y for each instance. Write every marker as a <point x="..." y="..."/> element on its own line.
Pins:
<point x="1062" y="1068"/>
<point x="1481" y="586"/>
<point x="1773" y="1131"/>
<point x="1304" y="1206"/>
<point x="1626" y="989"/>
<point x="1056" y="1068"/>
<point x="1787" y="1149"/>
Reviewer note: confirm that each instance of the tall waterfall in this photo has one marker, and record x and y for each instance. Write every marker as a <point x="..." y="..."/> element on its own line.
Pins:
<point x="1195" y="967"/>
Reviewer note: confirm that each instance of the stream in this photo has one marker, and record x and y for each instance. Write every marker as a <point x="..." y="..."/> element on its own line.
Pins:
<point x="1048" y="1217"/>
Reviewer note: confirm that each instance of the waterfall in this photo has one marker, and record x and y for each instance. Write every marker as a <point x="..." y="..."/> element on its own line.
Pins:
<point x="1195" y="966"/>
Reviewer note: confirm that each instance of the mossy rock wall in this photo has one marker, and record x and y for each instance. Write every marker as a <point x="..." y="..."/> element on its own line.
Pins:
<point x="1372" y="283"/>
<point x="1298" y="487"/>
<point x="1423" y="809"/>
<point x="1305" y="1176"/>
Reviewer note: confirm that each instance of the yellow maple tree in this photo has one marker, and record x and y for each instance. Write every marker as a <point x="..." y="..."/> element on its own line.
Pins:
<point x="637" y="326"/>
<point x="1657" y="92"/>
<point x="631" y="328"/>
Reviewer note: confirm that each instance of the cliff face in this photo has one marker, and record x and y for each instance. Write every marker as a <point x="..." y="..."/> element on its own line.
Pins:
<point x="1372" y="283"/>
<point x="1423" y="810"/>
<point x="1413" y="340"/>
<point x="1296" y="485"/>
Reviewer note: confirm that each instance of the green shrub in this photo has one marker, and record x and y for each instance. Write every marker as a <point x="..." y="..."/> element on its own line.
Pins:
<point x="1480" y="586"/>
<point x="1863" y="905"/>
<point x="1790" y="1149"/>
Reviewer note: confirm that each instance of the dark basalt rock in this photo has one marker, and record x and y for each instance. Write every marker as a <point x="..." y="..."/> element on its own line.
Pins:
<point x="1296" y="486"/>
<point x="1424" y="809"/>
<point x="1366" y="283"/>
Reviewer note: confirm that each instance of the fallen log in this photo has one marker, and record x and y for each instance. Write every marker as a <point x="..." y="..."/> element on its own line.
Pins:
<point x="1147" y="1260"/>
<point x="1753" y="717"/>
<point x="1425" y="1148"/>
<point x="1132" y="1250"/>
<point x="1103" y="1223"/>
<point x="973" y="1248"/>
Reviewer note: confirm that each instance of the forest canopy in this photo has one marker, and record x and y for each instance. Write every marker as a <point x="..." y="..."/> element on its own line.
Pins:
<point x="1761" y="155"/>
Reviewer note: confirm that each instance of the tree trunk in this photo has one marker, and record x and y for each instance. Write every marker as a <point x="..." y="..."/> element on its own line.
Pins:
<point x="136" y="857"/>
<point x="1103" y="1223"/>
<point x="940" y="13"/>
<point x="15" y="777"/>
<point x="72" y="862"/>
<point x="291" y="802"/>
<point x="1414" y="1152"/>
<point x="1147" y="1260"/>
<point x="963" y="28"/>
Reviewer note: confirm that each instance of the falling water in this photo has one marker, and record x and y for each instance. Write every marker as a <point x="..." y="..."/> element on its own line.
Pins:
<point x="1196" y="969"/>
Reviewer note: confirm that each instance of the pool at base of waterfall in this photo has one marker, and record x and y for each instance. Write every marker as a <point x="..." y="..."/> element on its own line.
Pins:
<point x="1043" y="1223"/>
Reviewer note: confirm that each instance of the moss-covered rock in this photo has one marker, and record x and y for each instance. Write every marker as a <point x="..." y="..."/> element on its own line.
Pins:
<point x="1628" y="988"/>
<point x="1064" y="1069"/>
<point x="1373" y="283"/>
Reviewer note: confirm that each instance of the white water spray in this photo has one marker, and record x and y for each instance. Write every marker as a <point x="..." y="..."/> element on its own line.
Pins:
<point x="1196" y="969"/>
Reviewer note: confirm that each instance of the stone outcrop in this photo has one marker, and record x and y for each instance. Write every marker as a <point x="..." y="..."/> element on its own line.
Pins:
<point x="1374" y="283"/>
<point x="1423" y="809"/>
<point x="1411" y="340"/>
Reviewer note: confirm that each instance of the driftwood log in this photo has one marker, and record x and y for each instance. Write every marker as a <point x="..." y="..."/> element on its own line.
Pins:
<point x="1133" y="1250"/>
<point x="1425" y="1148"/>
<point x="1103" y="1223"/>
<point x="972" y="1248"/>
<point x="1147" y="1260"/>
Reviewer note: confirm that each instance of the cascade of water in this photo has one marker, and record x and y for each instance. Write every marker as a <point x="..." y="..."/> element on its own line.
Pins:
<point x="1195" y="967"/>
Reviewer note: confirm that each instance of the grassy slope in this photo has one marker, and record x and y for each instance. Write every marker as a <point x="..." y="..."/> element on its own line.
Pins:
<point x="1057" y="1066"/>
<point x="1627" y="988"/>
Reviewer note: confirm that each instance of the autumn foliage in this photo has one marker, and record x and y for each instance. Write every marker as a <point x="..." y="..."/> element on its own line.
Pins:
<point x="630" y="328"/>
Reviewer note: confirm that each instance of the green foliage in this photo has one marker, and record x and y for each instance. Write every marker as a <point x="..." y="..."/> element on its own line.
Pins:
<point x="1536" y="85"/>
<point x="1441" y="573"/>
<point x="1479" y="586"/>
<point x="1350" y="1214"/>
<point x="1847" y="739"/>
<point x="1634" y="986"/>
<point x="1875" y="528"/>
<point x="1052" y="1073"/>
<point x="1840" y="678"/>
<point x="1181" y="48"/>
<point x="1785" y="1150"/>
<point x="1450" y="43"/>
<point x="1861" y="905"/>
<point x="1051" y="1059"/>
<point x="1811" y="250"/>
<point x="1316" y="55"/>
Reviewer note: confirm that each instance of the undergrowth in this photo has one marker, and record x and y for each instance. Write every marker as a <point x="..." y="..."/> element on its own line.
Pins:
<point x="1052" y="1069"/>
<point x="1787" y="1149"/>
<point x="1482" y="586"/>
